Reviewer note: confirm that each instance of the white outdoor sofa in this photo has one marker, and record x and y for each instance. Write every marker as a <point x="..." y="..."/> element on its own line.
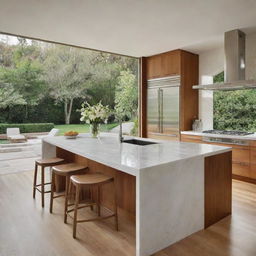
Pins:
<point x="14" y="136"/>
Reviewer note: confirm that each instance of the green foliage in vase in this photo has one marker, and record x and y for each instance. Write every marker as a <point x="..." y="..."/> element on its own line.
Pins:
<point x="95" y="114"/>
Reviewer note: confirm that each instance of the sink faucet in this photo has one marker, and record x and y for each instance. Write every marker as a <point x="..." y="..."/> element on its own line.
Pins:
<point x="121" y="138"/>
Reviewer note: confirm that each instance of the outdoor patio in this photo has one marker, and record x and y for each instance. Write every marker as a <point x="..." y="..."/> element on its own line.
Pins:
<point x="19" y="157"/>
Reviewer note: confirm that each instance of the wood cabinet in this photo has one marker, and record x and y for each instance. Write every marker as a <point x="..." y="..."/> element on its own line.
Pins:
<point x="165" y="64"/>
<point x="177" y="62"/>
<point x="243" y="157"/>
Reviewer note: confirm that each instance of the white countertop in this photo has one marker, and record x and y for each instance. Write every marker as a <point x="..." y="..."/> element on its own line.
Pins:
<point x="132" y="158"/>
<point x="247" y="137"/>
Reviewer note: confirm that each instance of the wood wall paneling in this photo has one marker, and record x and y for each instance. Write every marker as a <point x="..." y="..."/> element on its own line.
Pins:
<point x="125" y="183"/>
<point x="188" y="96"/>
<point x="218" y="187"/>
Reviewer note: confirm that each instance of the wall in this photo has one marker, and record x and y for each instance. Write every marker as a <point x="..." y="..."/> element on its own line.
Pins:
<point x="250" y="72"/>
<point x="211" y="63"/>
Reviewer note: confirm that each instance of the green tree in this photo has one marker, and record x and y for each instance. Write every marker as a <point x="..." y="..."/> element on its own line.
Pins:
<point x="67" y="73"/>
<point x="234" y="110"/>
<point x="23" y="77"/>
<point x="126" y="96"/>
<point x="9" y="96"/>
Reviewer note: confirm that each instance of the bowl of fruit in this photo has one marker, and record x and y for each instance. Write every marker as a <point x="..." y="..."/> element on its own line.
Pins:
<point x="71" y="135"/>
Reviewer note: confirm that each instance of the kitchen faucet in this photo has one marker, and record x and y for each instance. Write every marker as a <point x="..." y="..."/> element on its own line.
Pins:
<point x="121" y="138"/>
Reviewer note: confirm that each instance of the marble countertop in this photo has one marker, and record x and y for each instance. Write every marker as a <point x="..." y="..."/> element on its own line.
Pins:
<point x="132" y="158"/>
<point x="246" y="137"/>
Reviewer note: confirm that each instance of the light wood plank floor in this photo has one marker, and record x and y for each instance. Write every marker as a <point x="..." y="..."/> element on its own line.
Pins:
<point x="27" y="230"/>
<point x="233" y="236"/>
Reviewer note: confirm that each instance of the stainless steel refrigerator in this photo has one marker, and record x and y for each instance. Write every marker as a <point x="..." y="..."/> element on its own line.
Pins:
<point x="163" y="106"/>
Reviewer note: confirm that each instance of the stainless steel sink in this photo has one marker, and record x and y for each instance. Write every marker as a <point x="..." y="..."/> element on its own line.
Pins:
<point x="139" y="142"/>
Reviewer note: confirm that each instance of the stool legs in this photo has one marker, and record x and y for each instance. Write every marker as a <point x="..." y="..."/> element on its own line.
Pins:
<point x="75" y="210"/>
<point x="52" y="191"/>
<point x="35" y="179"/>
<point x="98" y="201"/>
<point x="66" y="198"/>
<point x="42" y="185"/>
<point x="115" y="205"/>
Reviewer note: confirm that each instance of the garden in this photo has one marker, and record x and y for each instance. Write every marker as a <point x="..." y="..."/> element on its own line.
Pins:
<point x="43" y="86"/>
<point x="234" y="110"/>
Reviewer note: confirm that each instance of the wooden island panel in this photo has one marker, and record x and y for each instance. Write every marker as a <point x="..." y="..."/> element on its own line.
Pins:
<point x="218" y="187"/>
<point x="125" y="184"/>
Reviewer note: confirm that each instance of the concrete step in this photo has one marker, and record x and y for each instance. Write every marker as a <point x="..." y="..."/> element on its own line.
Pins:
<point x="9" y="150"/>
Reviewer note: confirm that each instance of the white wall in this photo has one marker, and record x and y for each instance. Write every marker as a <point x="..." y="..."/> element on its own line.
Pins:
<point x="250" y="72"/>
<point x="211" y="63"/>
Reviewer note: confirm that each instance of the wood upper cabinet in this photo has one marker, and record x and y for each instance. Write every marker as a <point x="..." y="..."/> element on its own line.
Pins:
<point x="171" y="63"/>
<point x="162" y="65"/>
<point x="154" y="65"/>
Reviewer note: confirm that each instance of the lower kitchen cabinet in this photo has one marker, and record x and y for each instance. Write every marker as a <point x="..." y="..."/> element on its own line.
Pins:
<point x="241" y="169"/>
<point x="243" y="157"/>
<point x="174" y="136"/>
<point x="253" y="171"/>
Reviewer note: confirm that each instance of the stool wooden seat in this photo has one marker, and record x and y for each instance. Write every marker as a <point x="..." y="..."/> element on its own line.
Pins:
<point x="91" y="180"/>
<point x="64" y="170"/>
<point x="45" y="162"/>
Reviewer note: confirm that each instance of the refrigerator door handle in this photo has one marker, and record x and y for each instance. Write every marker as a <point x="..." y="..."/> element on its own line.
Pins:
<point x="161" y="110"/>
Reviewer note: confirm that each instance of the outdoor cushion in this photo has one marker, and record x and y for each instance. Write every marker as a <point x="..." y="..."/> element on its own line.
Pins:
<point x="12" y="131"/>
<point x="17" y="137"/>
<point x="53" y="132"/>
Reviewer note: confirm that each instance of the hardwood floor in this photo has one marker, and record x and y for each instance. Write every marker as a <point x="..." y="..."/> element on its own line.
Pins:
<point x="233" y="236"/>
<point x="27" y="230"/>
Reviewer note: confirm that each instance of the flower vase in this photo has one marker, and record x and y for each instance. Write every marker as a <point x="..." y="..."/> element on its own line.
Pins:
<point x="94" y="129"/>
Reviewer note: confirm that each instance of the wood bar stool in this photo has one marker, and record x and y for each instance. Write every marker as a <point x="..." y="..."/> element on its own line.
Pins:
<point x="65" y="170"/>
<point x="46" y="162"/>
<point x="90" y="181"/>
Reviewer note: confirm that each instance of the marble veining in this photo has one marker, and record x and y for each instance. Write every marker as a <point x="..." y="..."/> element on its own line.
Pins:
<point x="132" y="158"/>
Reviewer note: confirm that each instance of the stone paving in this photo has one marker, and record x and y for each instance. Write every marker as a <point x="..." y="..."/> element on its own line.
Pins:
<point x="22" y="160"/>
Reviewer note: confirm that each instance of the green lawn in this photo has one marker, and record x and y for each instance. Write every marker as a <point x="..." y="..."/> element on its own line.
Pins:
<point x="4" y="142"/>
<point x="82" y="128"/>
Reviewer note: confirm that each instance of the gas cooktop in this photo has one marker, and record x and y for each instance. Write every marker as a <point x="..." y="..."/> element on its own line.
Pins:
<point x="239" y="133"/>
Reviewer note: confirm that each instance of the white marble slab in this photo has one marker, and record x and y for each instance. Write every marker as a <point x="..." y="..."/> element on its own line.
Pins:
<point x="169" y="183"/>
<point x="246" y="137"/>
<point x="131" y="158"/>
<point x="170" y="203"/>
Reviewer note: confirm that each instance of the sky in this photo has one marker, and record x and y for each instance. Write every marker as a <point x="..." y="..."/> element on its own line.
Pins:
<point x="11" y="40"/>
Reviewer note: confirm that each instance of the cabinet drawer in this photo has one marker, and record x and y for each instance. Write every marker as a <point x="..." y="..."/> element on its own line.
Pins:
<point x="241" y="154"/>
<point x="241" y="169"/>
<point x="191" y="138"/>
<point x="253" y="143"/>
<point x="253" y="171"/>
<point x="174" y="136"/>
<point x="253" y="155"/>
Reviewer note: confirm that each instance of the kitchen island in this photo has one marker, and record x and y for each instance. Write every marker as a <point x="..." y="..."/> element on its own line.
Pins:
<point x="171" y="189"/>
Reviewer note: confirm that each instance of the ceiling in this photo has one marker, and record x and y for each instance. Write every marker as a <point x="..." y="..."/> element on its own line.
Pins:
<point x="129" y="27"/>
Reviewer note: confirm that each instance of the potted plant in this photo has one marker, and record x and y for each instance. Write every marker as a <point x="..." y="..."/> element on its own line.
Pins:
<point x="94" y="115"/>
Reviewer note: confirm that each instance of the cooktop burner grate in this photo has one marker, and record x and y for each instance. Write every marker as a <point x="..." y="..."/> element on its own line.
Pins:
<point x="239" y="133"/>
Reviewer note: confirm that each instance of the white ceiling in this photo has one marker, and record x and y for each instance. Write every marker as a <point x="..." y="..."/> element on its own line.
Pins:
<point x="129" y="27"/>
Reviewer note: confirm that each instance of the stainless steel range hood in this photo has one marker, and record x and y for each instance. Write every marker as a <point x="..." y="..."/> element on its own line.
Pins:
<point x="234" y="65"/>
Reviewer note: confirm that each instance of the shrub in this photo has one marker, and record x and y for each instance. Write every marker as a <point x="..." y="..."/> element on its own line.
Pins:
<point x="28" y="128"/>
